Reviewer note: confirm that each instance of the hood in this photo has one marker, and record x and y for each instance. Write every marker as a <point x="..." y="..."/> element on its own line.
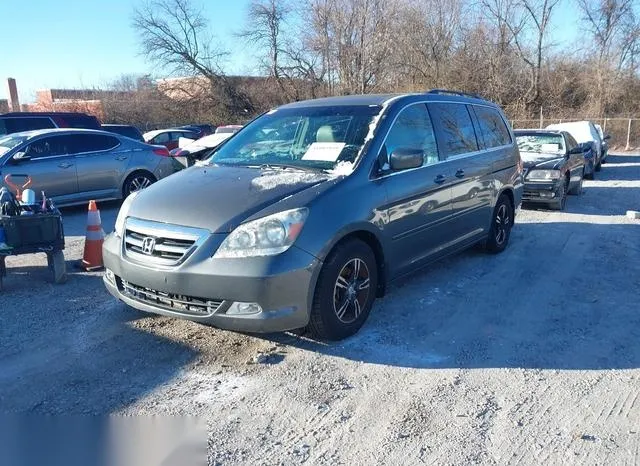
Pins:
<point x="538" y="160"/>
<point x="219" y="198"/>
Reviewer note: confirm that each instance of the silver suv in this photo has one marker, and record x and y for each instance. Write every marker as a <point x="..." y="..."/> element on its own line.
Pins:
<point x="305" y="215"/>
<point x="75" y="165"/>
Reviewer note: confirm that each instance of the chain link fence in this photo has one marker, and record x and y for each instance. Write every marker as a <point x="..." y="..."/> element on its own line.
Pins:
<point x="625" y="132"/>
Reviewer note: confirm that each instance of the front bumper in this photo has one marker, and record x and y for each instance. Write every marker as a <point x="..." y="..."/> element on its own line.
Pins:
<point x="541" y="192"/>
<point x="202" y="289"/>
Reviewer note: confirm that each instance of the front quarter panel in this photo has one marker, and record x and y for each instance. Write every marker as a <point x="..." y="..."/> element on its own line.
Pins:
<point x="346" y="208"/>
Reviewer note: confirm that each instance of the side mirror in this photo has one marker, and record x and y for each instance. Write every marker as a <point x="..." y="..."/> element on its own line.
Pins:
<point x="579" y="149"/>
<point x="20" y="157"/>
<point x="607" y="137"/>
<point x="403" y="159"/>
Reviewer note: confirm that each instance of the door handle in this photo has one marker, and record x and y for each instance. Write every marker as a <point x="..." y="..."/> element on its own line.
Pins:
<point x="460" y="173"/>
<point x="122" y="157"/>
<point x="65" y="165"/>
<point x="440" y="179"/>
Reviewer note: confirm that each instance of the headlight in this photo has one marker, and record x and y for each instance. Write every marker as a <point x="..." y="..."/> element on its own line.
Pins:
<point x="543" y="175"/>
<point x="266" y="236"/>
<point x="122" y="215"/>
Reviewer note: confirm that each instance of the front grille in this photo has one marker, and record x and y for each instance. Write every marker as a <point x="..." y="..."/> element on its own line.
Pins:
<point x="531" y="194"/>
<point x="160" y="244"/>
<point x="169" y="301"/>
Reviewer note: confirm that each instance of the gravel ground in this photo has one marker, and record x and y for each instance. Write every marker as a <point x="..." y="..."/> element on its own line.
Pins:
<point x="531" y="356"/>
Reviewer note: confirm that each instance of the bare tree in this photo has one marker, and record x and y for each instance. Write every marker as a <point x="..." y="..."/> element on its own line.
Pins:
<point x="176" y="36"/>
<point x="537" y="16"/>
<point x="614" y="29"/>
<point x="264" y="29"/>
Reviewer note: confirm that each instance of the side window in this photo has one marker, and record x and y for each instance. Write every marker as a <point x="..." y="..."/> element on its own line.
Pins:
<point x="454" y="127"/>
<point x="177" y="136"/>
<point x="162" y="138"/>
<point x="412" y="130"/>
<point x="492" y="127"/>
<point x="48" y="147"/>
<point x="571" y="143"/>
<point x="91" y="143"/>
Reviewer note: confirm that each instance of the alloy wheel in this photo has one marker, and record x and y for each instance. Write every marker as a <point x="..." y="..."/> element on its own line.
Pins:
<point x="139" y="183"/>
<point x="503" y="222"/>
<point x="351" y="290"/>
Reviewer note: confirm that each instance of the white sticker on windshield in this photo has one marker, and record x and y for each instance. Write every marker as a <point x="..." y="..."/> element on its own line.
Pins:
<point x="550" y="148"/>
<point x="325" y="151"/>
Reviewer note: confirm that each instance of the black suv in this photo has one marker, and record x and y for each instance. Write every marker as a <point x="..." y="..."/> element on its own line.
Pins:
<point x="17" y="122"/>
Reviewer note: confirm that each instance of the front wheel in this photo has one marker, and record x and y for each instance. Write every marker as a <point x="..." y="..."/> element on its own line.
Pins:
<point x="577" y="190"/>
<point x="345" y="291"/>
<point x="561" y="202"/>
<point x="501" y="224"/>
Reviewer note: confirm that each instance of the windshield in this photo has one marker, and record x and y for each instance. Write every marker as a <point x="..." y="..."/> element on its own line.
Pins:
<point x="541" y="143"/>
<point x="311" y="137"/>
<point x="9" y="142"/>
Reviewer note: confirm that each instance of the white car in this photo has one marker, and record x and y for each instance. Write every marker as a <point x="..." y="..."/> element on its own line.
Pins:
<point x="585" y="131"/>
<point x="190" y="151"/>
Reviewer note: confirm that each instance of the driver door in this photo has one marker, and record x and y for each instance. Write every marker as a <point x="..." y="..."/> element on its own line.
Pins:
<point x="50" y="166"/>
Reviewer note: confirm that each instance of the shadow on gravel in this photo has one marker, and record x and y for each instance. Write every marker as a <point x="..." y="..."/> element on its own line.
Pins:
<point x="71" y="349"/>
<point x="563" y="296"/>
<point x="75" y="218"/>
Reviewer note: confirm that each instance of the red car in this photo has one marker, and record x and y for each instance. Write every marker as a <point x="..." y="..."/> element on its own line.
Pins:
<point x="168" y="137"/>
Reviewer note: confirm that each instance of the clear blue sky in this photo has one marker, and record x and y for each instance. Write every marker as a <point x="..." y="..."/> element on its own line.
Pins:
<point x="86" y="43"/>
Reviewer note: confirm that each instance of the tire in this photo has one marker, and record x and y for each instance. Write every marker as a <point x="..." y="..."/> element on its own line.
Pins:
<point x="599" y="166"/>
<point x="590" y="176"/>
<point x="341" y="302"/>
<point x="577" y="190"/>
<point x="58" y="266"/>
<point x="136" y="182"/>
<point x="562" y="202"/>
<point x="501" y="224"/>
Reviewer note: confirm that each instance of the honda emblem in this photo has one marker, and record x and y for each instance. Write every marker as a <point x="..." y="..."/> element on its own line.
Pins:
<point x="148" y="245"/>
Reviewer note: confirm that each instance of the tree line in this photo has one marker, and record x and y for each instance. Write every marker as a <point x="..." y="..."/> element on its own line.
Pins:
<point x="503" y="50"/>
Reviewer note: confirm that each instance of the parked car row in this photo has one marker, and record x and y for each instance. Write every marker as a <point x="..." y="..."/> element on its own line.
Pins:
<point x="556" y="160"/>
<point x="16" y="122"/>
<point x="312" y="209"/>
<point x="73" y="166"/>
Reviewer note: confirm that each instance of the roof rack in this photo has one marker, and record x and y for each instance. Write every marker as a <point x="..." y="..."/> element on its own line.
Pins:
<point x="451" y="92"/>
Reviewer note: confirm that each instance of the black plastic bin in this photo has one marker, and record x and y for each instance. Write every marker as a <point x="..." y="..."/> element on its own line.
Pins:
<point x="34" y="231"/>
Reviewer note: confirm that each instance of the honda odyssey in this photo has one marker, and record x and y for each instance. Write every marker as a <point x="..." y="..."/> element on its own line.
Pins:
<point x="307" y="214"/>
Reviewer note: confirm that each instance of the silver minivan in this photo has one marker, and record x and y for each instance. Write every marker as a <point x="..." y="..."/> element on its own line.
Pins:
<point x="73" y="166"/>
<point x="309" y="212"/>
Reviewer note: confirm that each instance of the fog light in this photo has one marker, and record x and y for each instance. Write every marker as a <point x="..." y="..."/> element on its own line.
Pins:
<point x="110" y="276"/>
<point x="244" y="309"/>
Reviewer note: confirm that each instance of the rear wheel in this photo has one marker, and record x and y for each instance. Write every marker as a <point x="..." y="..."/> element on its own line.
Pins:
<point x="136" y="182"/>
<point x="345" y="291"/>
<point x="501" y="224"/>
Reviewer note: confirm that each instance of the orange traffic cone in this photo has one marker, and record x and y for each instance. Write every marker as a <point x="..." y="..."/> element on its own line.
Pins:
<point x="92" y="258"/>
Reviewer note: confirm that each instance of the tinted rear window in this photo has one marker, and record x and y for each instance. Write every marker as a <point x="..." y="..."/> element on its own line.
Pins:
<point x="456" y="134"/>
<point x="92" y="143"/>
<point x="492" y="127"/>
<point x="17" y="124"/>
